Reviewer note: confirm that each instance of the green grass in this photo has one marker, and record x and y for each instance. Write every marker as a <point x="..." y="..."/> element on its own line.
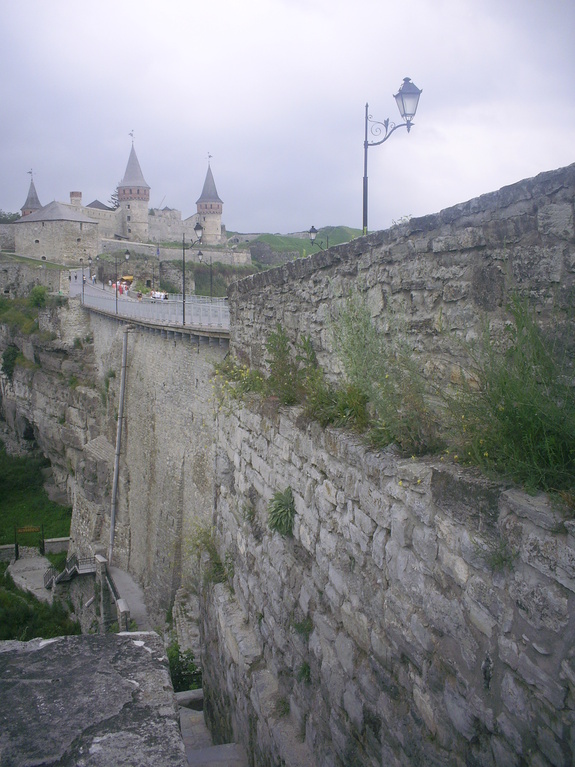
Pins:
<point x="23" y="500"/>
<point x="18" y="313"/>
<point x="23" y="616"/>
<point x="336" y="235"/>
<point x="222" y="275"/>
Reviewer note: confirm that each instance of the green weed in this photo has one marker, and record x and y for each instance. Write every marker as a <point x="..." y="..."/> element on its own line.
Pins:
<point x="516" y="413"/>
<point x="183" y="670"/>
<point x="281" y="512"/>
<point x="25" y="617"/>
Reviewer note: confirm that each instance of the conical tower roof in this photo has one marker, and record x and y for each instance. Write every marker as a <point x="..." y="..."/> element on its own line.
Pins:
<point x="209" y="192"/>
<point x="133" y="175"/>
<point x="32" y="202"/>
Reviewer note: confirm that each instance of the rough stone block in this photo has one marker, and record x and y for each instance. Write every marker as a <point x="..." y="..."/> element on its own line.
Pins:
<point x="345" y="651"/>
<point x="531" y="674"/>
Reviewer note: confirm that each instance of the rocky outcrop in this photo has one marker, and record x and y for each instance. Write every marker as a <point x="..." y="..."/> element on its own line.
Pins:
<point x="88" y="700"/>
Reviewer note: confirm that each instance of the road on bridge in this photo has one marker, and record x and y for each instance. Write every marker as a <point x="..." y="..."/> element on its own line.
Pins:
<point x="201" y="311"/>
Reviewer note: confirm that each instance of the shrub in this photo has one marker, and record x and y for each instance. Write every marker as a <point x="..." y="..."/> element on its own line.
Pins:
<point x="516" y="415"/>
<point x="23" y="616"/>
<point x="281" y="512"/>
<point x="183" y="670"/>
<point x="383" y="375"/>
<point x="38" y="296"/>
<point x="9" y="357"/>
<point x="283" y="380"/>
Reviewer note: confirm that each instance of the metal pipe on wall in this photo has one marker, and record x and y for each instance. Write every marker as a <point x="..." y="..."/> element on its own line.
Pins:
<point x="118" y="442"/>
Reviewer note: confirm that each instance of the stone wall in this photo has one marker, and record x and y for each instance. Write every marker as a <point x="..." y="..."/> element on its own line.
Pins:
<point x="63" y="242"/>
<point x="442" y="274"/>
<point x="166" y="477"/>
<point x="67" y="399"/>
<point x="18" y="279"/>
<point x="420" y="614"/>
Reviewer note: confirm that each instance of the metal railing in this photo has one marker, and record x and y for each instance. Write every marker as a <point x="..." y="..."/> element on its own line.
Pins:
<point x="74" y="566"/>
<point x="201" y="311"/>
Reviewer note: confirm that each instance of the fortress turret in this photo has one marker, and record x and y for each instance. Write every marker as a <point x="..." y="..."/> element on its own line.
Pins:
<point x="32" y="203"/>
<point x="134" y="196"/>
<point x="210" y="211"/>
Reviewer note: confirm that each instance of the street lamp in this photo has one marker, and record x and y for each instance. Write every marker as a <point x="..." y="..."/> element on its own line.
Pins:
<point x="198" y="230"/>
<point x="127" y="257"/>
<point x="100" y="273"/>
<point x="313" y="233"/>
<point x="82" y="262"/>
<point x="90" y="268"/>
<point x="407" y="99"/>
<point x="200" y="259"/>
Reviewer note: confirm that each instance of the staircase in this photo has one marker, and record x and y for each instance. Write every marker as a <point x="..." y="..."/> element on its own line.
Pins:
<point x="74" y="566"/>
<point x="200" y="751"/>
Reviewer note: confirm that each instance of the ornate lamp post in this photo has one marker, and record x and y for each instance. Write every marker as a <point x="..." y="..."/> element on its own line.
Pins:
<point x="90" y="267"/>
<point x="127" y="257"/>
<point x="98" y="272"/>
<point x="407" y="99"/>
<point x="199" y="230"/>
<point x="82" y="262"/>
<point x="313" y="234"/>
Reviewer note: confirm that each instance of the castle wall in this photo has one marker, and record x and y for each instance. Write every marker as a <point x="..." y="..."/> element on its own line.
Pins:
<point x="168" y="226"/>
<point x="64" y="242"/>
<point x="109" y="222"/>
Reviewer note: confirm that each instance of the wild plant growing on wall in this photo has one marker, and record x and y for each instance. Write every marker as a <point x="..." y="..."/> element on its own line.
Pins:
<point x="516" y="414"/>
<point x="281" y="512"/>
<point x="283" y="379"/>
<point x="383" y="368"/>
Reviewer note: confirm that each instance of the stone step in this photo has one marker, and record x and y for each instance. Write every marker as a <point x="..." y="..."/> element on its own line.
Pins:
<point x="227" y="755"/>
<point x="195" y="734"/>
<point x="200" y="751"/>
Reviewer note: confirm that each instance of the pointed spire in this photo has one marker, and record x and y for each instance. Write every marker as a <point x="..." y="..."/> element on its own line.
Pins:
<point x="133" y="176"/>
<point x="209" y="192"/>
<point x="32" y="202"/>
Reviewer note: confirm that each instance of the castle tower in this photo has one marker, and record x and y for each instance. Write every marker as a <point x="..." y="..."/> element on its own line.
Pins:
<point x="210" y="211"/>
<point x="133" y="197"/>
<point x="32" y="203"/>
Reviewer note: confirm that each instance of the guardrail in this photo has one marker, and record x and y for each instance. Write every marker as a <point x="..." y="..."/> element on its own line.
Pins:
<point x="73" y="566"/>
<point x="201" y="311"/>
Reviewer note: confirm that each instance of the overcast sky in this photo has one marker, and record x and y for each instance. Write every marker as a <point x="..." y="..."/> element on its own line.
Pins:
<point x="275" y="92"/>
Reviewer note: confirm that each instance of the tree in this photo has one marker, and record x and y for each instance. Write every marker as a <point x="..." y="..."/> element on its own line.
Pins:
<point x="114" y="201"/>
<point x="8" y="218"/>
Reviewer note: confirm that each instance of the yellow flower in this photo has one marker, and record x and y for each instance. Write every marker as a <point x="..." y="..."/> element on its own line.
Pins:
<point x="486" y="454"/>
<point x="401" y="483"/>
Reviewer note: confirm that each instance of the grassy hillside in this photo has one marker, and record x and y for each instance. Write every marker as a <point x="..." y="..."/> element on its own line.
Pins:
<point x="23" y="500"/>
<point x="282" y="243"/>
